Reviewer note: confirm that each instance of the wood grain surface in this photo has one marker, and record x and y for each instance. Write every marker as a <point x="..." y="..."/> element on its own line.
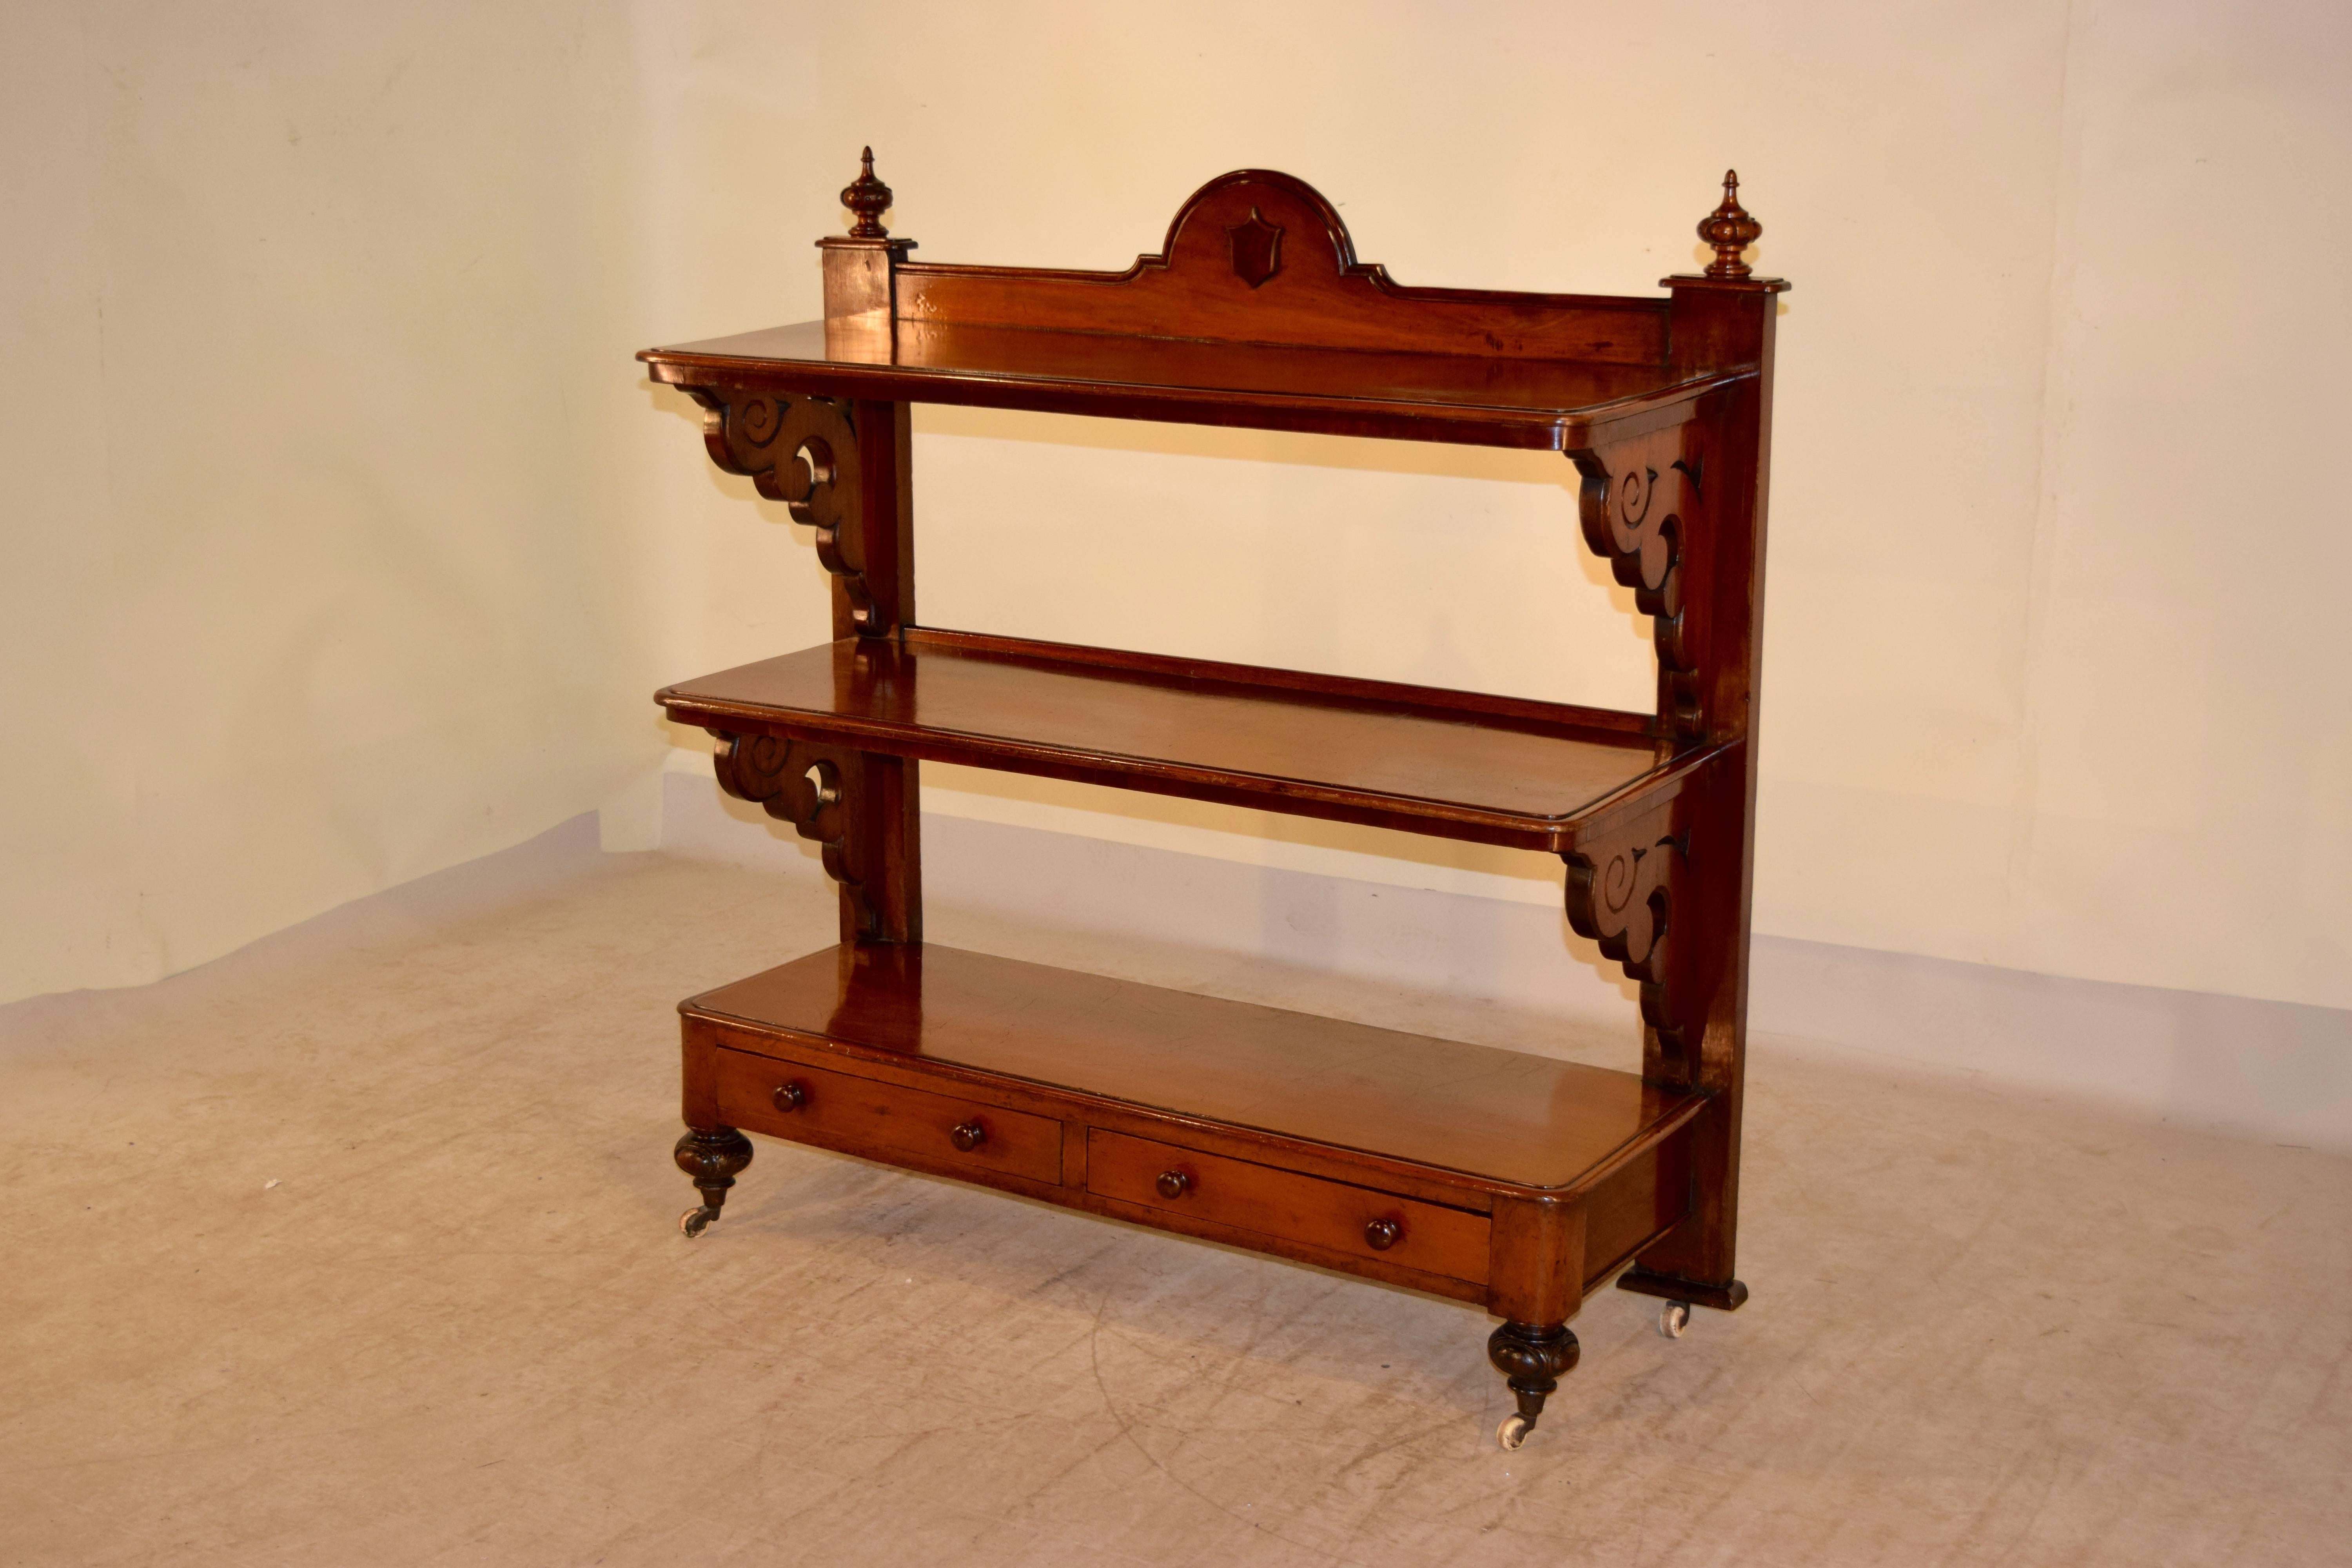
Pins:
<point x="843" y="1111"/>
<point x="1498" y="771"/>
<point x="1520" y="1181"/>
<point x="1275" y="1202"/>
<point x="1543" y="405"/>
<point x="1525" y="1120"/>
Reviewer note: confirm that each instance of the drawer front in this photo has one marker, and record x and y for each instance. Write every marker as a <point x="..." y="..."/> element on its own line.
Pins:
<point x="1329" y="1214"/>
<point x="842" y="1110"/>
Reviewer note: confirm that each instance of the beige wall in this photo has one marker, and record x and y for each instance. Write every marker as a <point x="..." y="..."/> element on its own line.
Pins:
<point x="2052" y="678"/>
<point x="319" y="570"/>
<point x="345" y="525"/>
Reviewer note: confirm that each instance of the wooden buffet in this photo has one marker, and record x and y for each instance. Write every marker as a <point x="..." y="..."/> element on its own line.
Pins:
<point x="1517" y="1182"/>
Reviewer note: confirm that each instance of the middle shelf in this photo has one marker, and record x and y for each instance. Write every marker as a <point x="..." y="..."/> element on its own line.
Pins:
<point x="1495" y="770"/>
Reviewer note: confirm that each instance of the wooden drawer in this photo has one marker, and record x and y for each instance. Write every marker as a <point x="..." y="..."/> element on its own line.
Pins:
<point x="842" y="1110"/>
<point x="1330" y="1215"/>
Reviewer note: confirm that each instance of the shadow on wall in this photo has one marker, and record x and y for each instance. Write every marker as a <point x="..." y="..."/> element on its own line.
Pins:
<point x="1352" y="556"/>
<point x="1001" y="526"/>
<point x="1220" y="445"/>
<point x="1294" y="451"/>
<point x="2277" y="1071"/>
<point x="1204" y="920"/>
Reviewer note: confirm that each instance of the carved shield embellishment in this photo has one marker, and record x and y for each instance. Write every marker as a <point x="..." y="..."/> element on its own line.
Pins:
<point x="1257" y="248"/>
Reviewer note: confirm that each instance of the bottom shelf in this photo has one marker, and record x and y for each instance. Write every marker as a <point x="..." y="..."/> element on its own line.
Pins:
<point x="1513" y="1181"/>
<point x="1468" y="1118"/>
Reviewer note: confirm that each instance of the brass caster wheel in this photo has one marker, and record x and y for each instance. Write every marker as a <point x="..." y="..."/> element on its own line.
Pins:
<point x="1673" y="1319"/>
<point x="695" y="1221"/>
<point x="1513" y="1431"/>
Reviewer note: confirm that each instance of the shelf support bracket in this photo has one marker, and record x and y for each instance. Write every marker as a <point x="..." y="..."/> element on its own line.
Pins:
<point x="1638" y="503"/>
<point x="802" y="451"/>
<point x="1622" y="882"/>
<point x="816" y="788"/>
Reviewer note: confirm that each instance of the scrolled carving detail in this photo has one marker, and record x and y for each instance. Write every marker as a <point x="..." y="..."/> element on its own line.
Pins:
<point x="1632" y="502"/>
<point x="802" y="451"/>
<point x="1621" y="890"/>
<point x="813" y="787"/>
<point x="1638" y="503"/>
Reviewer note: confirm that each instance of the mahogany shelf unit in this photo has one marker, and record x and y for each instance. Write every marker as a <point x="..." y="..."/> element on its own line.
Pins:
<point x="1516" y="1181"/>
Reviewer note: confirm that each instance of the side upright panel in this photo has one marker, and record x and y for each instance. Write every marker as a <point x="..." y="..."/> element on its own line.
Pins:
<point x="1718" y="320"/>
<point x="885" y="523"/>
<point x="1682" y="515"/>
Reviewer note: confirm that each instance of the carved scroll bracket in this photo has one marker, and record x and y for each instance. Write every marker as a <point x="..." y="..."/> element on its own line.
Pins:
<point x="815" y="788"/>
<point x="802" y="451"/>
<point x="1620" y="894"/>
<point x="1638" y="498"/>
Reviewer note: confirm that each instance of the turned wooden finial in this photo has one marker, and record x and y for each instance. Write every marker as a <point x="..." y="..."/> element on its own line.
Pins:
<point x="870" y="199"/>
<point x="1730" y="230"/>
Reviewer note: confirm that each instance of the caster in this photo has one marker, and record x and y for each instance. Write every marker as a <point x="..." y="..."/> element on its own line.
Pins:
<point x="1673" y="1319"/>
<point x="1532" y="1356"/>
<point x="711" y="1155"/>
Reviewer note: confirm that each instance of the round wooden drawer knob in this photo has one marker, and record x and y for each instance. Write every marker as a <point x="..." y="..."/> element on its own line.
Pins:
<point x="968" y="1136"/>
<point x="1174" y="1183"/>
<point x="791" y="1097"/>
<point x="1381" y="1234"/>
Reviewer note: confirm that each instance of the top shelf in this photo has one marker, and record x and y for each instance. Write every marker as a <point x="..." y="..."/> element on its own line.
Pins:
<point x="1254" y="312"/>
<point x="1547" y="404"/>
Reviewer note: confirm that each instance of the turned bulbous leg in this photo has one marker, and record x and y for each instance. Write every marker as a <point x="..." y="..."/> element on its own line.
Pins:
<point x="711" y="1155"/>
<point x="1531" y="1357"/>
